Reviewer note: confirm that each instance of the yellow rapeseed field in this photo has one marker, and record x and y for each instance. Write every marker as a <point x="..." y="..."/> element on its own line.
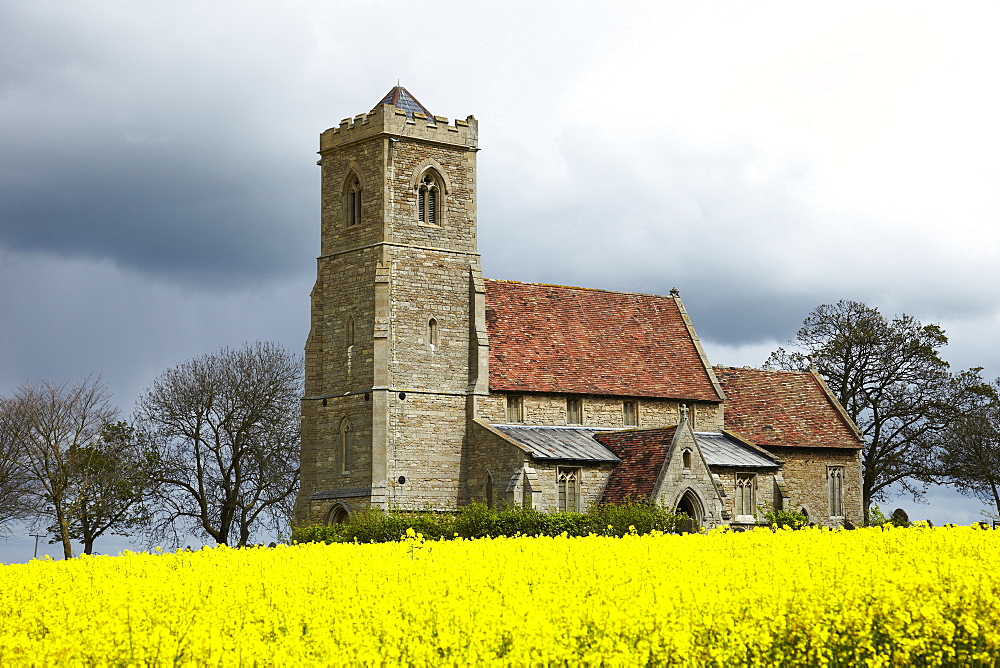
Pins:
<point x="814" y="597"/>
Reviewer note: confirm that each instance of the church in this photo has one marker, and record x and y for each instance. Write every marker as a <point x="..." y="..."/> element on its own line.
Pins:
<point x="429" y="386"/>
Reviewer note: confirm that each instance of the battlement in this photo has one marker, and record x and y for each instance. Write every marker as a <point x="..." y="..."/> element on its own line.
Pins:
<point x="386" y="119"/>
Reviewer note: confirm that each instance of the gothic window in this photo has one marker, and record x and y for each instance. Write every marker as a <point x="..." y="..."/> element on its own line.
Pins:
<point x="568" y="481"/>
<point x="515" y="409"/>
<point x="630" y="413"/>
<point x="349" y="332"/>
<point x="353" y="201"/>
<point x="574" y="411"/>
<point x="745" y="493"/>
<point x="429" y="200"/>
<point x="345" y="446"/>
<point x="432" y="332"/>
<point x="686" y="459"/>
<point x="836" y="476"/>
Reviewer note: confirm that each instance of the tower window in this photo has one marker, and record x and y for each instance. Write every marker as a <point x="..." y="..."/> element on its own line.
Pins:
<point x="630" y="413"/>
<point x="354" y="202"/>
<point x="574" y="411"/>
<point x="432" y="332"/>
<point x="428" y="200"/>
<point x="345" y="446"/>
<point x="349" y="332"/>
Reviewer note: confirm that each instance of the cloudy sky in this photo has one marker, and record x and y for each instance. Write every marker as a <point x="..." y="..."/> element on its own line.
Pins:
<point x="159" y="194"/>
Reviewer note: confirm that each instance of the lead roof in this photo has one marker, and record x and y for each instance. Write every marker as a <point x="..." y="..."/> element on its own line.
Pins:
<point x="563" y="443"/>
<point x="724" y="450"/>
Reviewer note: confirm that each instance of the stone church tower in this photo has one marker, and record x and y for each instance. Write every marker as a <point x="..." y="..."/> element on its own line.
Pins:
<point x="392" y="361"/>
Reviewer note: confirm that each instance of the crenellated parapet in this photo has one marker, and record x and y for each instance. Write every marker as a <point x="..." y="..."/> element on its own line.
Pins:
<point x="387" y="120"/>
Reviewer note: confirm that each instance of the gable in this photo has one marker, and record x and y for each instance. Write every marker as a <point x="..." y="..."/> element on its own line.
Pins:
<point x="784" y="408"/>
<point x="548" y="338"/>
<point x="642" y="453"/>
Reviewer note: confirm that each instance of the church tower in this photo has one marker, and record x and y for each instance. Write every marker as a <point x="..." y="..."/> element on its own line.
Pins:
<point x="397" y="347"/>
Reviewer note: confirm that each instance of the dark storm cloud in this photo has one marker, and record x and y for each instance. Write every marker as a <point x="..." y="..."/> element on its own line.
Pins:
<point x="141" y="152"/>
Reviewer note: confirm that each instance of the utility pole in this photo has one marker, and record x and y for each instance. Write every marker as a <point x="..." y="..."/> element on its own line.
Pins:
<point x="37" y="536"/>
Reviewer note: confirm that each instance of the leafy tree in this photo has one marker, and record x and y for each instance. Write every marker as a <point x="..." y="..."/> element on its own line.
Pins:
<point x="891" y="380"/>
<point x="112" y="477"/>
<point x="970" y="447"/>
<point x="225" y="431"/>
<point x="50" y="425"/>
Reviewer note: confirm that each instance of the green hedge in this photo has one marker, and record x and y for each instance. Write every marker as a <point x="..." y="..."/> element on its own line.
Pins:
<point x="479" y="521"/>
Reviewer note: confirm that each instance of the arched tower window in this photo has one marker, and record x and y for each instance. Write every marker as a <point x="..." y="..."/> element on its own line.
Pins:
<point x="353" y="201"/>
<point x="432" y="332"/>
<point x="345" y="446"/>
<point x="349" y="332"/>
<point x="429" y="200"/>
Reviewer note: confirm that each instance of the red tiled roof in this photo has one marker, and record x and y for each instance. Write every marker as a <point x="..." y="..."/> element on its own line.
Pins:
<point x="642" y="452"/>
<point x="548" y="338"/>
<point x="791" y="408"/>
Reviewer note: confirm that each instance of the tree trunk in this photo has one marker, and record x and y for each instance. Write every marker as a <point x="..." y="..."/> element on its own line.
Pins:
<point x="63" y="522"/>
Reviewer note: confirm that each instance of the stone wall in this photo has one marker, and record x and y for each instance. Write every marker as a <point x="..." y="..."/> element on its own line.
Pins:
<point x="600" y="411"/>
<point x="806" y="478"/>
<point x="490" y="452"/>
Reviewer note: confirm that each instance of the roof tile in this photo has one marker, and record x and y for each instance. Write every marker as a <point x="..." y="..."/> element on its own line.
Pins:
<point x="789" y="408"/>
<point x="642" y="452"/>
<point x="548" y="338"/>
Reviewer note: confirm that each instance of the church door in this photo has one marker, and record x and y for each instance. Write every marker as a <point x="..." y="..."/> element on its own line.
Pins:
<point x="690" y="505"/>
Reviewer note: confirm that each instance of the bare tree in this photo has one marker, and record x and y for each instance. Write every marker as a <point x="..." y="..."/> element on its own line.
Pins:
<point x="891" y="381"/>
<point x="15" y="487"/>
<point x="50" y="424"/>
<point x="225" y="428"/>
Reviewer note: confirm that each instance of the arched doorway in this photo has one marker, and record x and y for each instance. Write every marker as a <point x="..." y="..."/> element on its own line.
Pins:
<point x="691" y="506"/>
<point x="338" y="515"/>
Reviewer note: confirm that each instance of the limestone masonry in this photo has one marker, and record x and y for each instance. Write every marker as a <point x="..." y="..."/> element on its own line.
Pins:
<point x="430" y="387"/>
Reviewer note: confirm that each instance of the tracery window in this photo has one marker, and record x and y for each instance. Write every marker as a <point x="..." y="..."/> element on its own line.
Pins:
<point x="428" y="200"/>
<point x="568" y="482"/>
<point x="745" y="493"/>
<point x="836" y="477"/>
<point x="354" y="202"/>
